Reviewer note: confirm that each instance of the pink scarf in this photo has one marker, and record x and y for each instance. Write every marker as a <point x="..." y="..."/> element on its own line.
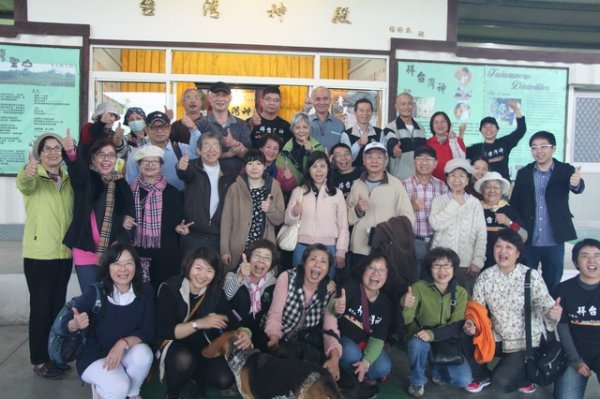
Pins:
<point x="148" y="211"/>
<point x="255" y="293"/>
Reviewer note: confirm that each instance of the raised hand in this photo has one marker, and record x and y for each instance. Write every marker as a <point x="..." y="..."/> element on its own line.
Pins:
<point x="31" y="167"/>
<point x="68" y="143"/>
<point x="244" y="269"/>
<point x="266" y="204"/>
<point x="128" y="222"/>
<point x="228" y="140"/>
<point x="555" y="311"/>
<point x="183" y="162"/>
<point x="362" y="204"/>
<point x="575" y="177"/>
<point x="169" y="112"/>
<point x="106" y="119"/>
<point x="397" y="150"/>
<point x="187" y="122"/>
<point x="364" y="139"/>
<point x="340" y="303"/>
<point x="297" y="209"/>
<point x="256" y="119"/>
<point x="183" y="228"/>
<point x="417" y="203"/>
<point x="409" y="299"/>
<point x="119" y="131"/>
<point x="79" y="321"/>
<point x="287" y="173"/>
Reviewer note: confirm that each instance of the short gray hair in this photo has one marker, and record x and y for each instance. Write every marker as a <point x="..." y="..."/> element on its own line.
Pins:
<point x="300" y="117"/>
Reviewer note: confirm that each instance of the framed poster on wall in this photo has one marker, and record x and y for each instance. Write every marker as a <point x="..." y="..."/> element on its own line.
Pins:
<point x="470" y="92"/>
<point x="39" y="93"/>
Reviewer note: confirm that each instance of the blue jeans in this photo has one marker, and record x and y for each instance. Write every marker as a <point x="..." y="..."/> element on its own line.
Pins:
<point x="86" y="275"/>
<point x="552" y="259"/>
<point x="418" y="350"/>
<point x="299" y="250"/>
<point x="351" y="354"/>
<point x="571" y="385"/>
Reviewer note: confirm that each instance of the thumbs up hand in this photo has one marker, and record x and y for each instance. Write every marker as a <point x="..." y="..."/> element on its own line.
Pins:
<point x="297" y="209"/>
<point x="266" y="204"/>
<point x="575" y="177"/>
<point x="79" y="321"/>
<point x="340" y="303"/>
<point x="244" y="269"/>
<point x="68" y="143"/>
<point x="362" y="204"/>
<point x="183" y="162"/>
<point x="169" y="112"/>
<point x="187" y="121"/>
<point x="417" y="203"/>
<point x="409" y="299"/>
<point x="287" y="173"/>
<point x="555" y="311"/>
<point x="31" y="167"/>
<point x="119" y="131"/>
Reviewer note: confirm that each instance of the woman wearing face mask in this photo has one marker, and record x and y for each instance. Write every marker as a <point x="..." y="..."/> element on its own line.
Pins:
<point x="445" y="142"/>
<point x="103" y="210"/>
<point x="135" y="119"/>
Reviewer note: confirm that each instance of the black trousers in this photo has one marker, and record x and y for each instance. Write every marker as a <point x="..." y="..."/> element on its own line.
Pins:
<point x="47" y="283"/>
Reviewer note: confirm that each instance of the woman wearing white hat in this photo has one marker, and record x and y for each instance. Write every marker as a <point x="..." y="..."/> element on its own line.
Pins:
<point x="159" y="216"/>
<point x="497" y="211"/>
<point x="458" y="223"/>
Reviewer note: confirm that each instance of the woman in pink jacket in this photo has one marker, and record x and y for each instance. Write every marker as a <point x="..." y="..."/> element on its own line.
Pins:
<point x="321" y="210"/>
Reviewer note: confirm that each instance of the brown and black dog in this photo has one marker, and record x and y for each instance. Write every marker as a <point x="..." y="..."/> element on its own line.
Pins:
<point x="263" y="376"/>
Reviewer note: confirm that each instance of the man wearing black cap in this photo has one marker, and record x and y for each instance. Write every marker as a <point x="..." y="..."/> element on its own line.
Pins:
<point x="158" y="129"/>
<point x="234" y="132"/>
<point x="496" y="151"/>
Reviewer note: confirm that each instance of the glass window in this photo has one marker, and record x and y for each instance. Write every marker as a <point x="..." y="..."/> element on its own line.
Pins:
<point x="356" y="68"/>
<point x="129" y="60"/>
<point x="148" y="96"/>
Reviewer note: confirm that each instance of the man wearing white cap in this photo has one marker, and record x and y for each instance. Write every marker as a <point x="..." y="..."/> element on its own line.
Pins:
<point x="374" y="198"/>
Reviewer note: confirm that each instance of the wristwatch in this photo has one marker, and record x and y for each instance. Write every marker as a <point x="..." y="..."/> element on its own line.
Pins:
<point x="195" y="325"/>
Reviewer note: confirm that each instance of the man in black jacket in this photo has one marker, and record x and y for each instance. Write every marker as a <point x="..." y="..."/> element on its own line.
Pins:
<point x="541" y="197"/>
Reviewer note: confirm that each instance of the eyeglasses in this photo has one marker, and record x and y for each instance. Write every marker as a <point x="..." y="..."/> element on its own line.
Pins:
<point x="159" y="127"/>
<point x="263" y="258"/>
<point x="425" y="159"/>
<point x="149" y="162"/>
<point x="104" y="155"/>
<point x="55" y="149"/>
<point x="124" y="265"/>
<point x="587" y="256"/>
<point x="495" y="188"/>
<point x="207" y="146"/>
<point x="441" y="266"/>
<point x="271" y="99"/>
<point x="541" y="147"/>
<point x="376" y="270"/>
<point x="341" y="155"/>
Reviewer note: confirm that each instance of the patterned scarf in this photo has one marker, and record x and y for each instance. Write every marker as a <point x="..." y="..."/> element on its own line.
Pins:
<point x="109" y="181"/>
<point x="148" y="211"/>
<point x="255" y="294"/>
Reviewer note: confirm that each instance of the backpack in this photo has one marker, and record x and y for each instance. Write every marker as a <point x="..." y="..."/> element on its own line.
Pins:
<point x="65" y="346"/>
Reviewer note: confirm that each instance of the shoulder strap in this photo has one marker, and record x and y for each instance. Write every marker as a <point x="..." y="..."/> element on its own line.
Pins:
<point x="528" y="345"/>
<point x="177" y="149"/>
<point x="366" y="316"/>
<point x="98" y="303"/>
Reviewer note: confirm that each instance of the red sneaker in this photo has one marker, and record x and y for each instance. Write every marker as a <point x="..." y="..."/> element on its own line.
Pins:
<point x="528" y="388"/>
<point x="477" y="386"/>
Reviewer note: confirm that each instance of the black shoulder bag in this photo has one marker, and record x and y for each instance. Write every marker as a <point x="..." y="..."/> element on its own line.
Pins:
<point x="546" y="363"/>
<point x="447" y="352"/>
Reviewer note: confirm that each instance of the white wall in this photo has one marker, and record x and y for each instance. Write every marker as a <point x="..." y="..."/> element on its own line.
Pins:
<point x="306" y="23"/>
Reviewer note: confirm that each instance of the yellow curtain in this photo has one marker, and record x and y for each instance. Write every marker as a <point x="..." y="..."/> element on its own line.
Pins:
<point x="233" y="64"/>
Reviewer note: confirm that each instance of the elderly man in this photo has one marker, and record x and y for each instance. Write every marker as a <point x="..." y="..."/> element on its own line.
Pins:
<point x="403" y="135"/>
<point x="192" y="103"/>
<point x="326" y="128"/>
<point x="158" y="129"/>
<point x="233" y="132"/>
<point x="206" y="181"/>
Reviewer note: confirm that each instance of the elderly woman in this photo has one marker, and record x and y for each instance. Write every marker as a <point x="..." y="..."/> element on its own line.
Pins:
<point x="501" y="289"/>
<point x="253" y="209"/>
<point x="445" y="142"/>
<point x="158" y="211"/>
<point x="116" y="357"/>
<point x="497" y="211"/>
<point x="270" y="145"/>
<point x="457" y="221"/>
<point x="321" y="209"/>
<point x="135" y="118"/>
<point x="299" y="323"/>
<point x="103" y="210"/>
<point x="364" y="323"/>
<point x="249" y="289"/>
<point x="296" y="151"/>
<point x="192" y="310"/>
<point x="48" y="198"/>
<point x="433" y="310"/>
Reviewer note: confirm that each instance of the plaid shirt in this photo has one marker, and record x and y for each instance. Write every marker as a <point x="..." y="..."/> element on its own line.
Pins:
<point x="426" y="192"/>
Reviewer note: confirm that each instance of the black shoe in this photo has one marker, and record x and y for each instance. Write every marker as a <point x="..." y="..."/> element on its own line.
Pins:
<point x="48" y="370"/>
<point x="63" y="367"/>
<point x="368" y="391"/>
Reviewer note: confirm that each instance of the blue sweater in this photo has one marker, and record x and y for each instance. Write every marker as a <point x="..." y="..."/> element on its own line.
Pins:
<point x="114" y="322"/>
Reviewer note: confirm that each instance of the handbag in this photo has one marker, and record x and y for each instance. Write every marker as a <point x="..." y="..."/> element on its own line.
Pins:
<point x="287" y="237"/>
<point x="447" y="352"/>
<point x="549" y="361"/>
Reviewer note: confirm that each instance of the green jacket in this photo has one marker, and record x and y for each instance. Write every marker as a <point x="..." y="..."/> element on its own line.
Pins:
<point x="432" y="312"/>
<point x="296" y="169"/>
<point x="48" y="212"/>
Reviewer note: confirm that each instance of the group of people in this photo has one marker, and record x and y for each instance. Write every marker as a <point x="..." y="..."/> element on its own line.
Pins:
<point x="400" y="239"/>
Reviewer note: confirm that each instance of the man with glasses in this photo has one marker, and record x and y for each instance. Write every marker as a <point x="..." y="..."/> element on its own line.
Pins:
<point x="267" y="121"/>
<point x="579" y="326"/>
<point x="344" y="173"/>
<point x="158" y="129"/>
<point x="421" y="188"/>
<point x="496" y="150"/>
<point x="541" y="197"/>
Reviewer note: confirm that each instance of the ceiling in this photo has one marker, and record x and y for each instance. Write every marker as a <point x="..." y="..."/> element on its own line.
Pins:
<point x="571" y="24"/>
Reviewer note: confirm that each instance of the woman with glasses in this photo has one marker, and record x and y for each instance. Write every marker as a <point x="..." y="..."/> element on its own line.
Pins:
<point x="159" y="216"/>
<point x="433" y="310"/>
<point x="103" y="210"/>
<point x="116" y="357"/>
<point x="457" y="221"/>
<point x="497" y="211"/>
<point x="249" y="289"/>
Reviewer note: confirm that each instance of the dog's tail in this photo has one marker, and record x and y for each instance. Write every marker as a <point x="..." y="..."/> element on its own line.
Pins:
<point x="320" y="385"/>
